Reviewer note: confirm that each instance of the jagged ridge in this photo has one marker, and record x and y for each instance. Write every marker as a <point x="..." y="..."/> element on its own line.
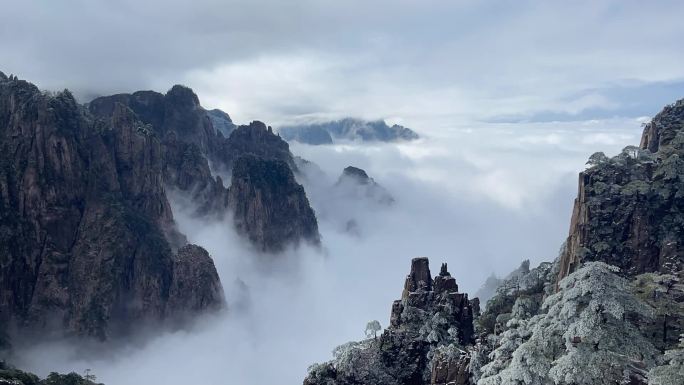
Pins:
<point x="87" y="236"/>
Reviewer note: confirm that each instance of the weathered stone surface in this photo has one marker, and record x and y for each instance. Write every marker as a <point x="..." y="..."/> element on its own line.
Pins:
<point x="196" y="285"/>
<point x="424" y="343"/>
<point x="192" y="139"/>
<point x="269" y="206"/>
<point x="450" y="369"/>
<point x="221" y="121"/>
<point x="419" y="279"/>
<point x="255" y="139"/>
<point x="87" y="237"/>
<point x="188" y="141"/>
<point x="628" y="212"/>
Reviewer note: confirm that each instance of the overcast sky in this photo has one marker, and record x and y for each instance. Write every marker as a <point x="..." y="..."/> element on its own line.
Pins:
<point x="510" y="96"/>
<point x="429" y="64"/>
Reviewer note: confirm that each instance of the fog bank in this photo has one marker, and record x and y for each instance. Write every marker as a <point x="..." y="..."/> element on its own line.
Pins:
<point x="480" y="198"/>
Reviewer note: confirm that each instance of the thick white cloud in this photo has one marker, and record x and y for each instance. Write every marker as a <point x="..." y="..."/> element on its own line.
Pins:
<point x="481" y="198"/>
<point x="428" y="63"/>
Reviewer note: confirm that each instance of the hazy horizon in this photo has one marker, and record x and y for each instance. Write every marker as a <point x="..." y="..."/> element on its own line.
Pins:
<point x="509" y="100"/>
<point x="428" y="65"/>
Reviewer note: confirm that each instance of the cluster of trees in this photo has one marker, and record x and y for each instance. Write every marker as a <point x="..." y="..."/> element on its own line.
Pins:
<point x="11" y="375"/>
<point x="672" y="371"/>
<point x="628" y="153"/>
<point x="585" y="334"/>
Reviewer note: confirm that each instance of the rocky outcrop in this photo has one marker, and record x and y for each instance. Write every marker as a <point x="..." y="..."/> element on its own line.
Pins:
<point x="255" y="139"/>
<point x="347" y="129"/>
<point x="196" y="285"/>
<point x="188" y="141"/>
<point x="87" y="237"/>
<point x="433" y="296"/>
<point x="269" y="206"/>
<point x="419" y="279"/>
<point x="221" y="121"/>
<point x="628" y="212"/>
<point x="354" y="183"/>
<point x="450" y="369"/>
<point x="425" y="343"/>
<point x="192" y="139"/>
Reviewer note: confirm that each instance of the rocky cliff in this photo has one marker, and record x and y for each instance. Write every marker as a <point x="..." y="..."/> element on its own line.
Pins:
<point x="221" y="121"/>
<point x="629" y="208"/>
<point x="194" y="149"/>
<point x="269" y="206"/>
<point x="87" y="238"/>
<point x="628" y="214"/>
<point x="430" y="328"/>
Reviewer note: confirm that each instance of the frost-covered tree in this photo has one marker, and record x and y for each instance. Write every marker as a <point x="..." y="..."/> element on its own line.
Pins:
<point x="521" y="283"/>
<point x="372" y="329"/>
<point x="597" y="158"/>
<point x="515" y="334"/>
<point x="663" y="293"/>
<point x="584" y="337"/>
<point x="671" y="373"/>
<point x="631" y="151"/>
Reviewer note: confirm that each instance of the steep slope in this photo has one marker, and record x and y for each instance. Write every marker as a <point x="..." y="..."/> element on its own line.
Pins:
<point x="221" y="121"/>
<point x="255" y="139"/>
<point x="87" y="237"/>
<point x="194" y="149"/>
<point x="602" y="312"/>
<point x="630" y="209"/>
<point x="430" y="326"/>
<point x="269" y="206"/>
<point x="628" y="214"/>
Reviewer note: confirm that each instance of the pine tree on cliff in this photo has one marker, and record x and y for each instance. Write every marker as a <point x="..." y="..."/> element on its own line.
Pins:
<point x="673" y="372"/>
<point x="584" y="337"/>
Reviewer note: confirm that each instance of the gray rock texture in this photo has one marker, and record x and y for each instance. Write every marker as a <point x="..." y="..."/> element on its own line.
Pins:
<point x="628" y="211"/>
<point x="430" y="326"/>
<point x="88" y="245"/>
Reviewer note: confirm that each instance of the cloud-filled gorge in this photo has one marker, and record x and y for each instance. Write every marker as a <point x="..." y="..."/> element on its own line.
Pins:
<point x="480" y="198"/>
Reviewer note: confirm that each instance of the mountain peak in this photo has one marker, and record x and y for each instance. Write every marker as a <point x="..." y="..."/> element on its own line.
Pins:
<point x="664" y="127"/>
<point x="183" y="95"/>
<point x="356" y="172"/>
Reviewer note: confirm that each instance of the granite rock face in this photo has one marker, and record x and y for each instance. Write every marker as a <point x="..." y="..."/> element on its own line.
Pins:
<point x="87" y="237"/>
<point x="187" y="139"/>
<point x="196" y="285"/>
<point x="255" y="139"/>
<point x="430" y="328"/>
<point x="628" y="212"/>
<point x="269" y="206"/>
<point x="195" y="149"/>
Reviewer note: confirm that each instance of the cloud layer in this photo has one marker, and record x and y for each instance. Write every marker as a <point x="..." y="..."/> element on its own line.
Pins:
<point x="510" y="97"/>
<point x="429" y="63"/>
<point x="480" y="198"/>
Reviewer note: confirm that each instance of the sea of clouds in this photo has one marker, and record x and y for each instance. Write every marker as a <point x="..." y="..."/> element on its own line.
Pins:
<point x="481" y="198"/>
